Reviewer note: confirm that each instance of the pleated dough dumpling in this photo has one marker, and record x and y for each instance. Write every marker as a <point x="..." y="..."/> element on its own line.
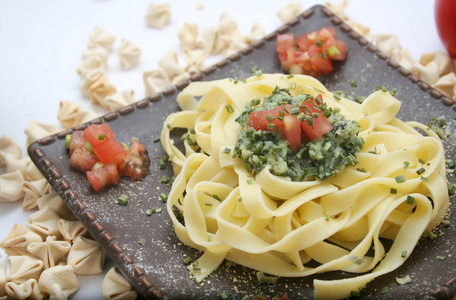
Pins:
<point x="8" y="148"/>
<point x="129" y="54"/>
<point x="49" y="251"/>
<point x="26" y="290"/>
<point x="187" y="35"/>
<point x="101" y="38"/>
<point x="70" y="230"/>
<point x="22" y="268"/>
<point x="116" y="287"/>
<point x="11" y="186"/>
<point x="119" y="100"/>
<point x="447" y="85"/>
<point x="86" y="256"/>
<point x="34" y="190"/>
<point x="18" y="239"/>
<point x="443" y="60"/>
<point x="289" y="11"/>
<point x="71" y="114"/>
<point x="257" y="32"/>
<point x="155" y="81"/>
<point x="389" y="44"/>
<point x="98" y="52"/>
<point x="170" y="64"/>
<point x="158" y="15"/>
<point x="44" y="222"/>
<point x="37" y="130"/>
<point x="100" y="89"/>
<point x="2" y="281"/>
<point x="59" y="282"/>
<point x="53" y="201"/>
<point x="428" y="73"/>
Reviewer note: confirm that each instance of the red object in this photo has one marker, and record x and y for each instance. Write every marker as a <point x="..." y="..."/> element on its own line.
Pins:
<point x="78" y="140"/>
<point x="97" y="134"/>
<point x="289" y="125"/>
<point x="311" y="53"/>
<point x="103" y="177"/>
<point x="83" y="160"/>
<point x="105" y="146"/>
<point x="445" y="20"/>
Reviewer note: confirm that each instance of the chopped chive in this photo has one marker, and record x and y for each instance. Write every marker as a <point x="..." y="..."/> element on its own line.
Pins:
<point x="420" y="171"/>
<point x="325" y="56"/>
<point x="270" y="118"/>
<point x="293" y="85"/>
<point x="156" y="140"/>
<point x="295" y="111"/>
<point x="403" y="280"/>
<point x="360" y="99"/>
<point x="290" y="76"/>
<point x="125" y="146"/>
<point x="384" y="89"/>
<point x="431" y="235"/>
<point x="447" y="223"/>
<point x="333" y="51"/>
<point x="249" y="181"/>
<point x="451" y="164"/>
<point x="400" y="178"/>
<point x="123" y="199"/>
<point x="229" y="108"/>
<point x="319" y="43"/>
<point x="309" y="120"/>
<point x="88" y="146"/>
<point x="286" y="109"/>
<point x="393" y="191"/>
<point x="227" y="150"/>
<point x="208" y="203"/>
<point x="450" y="187"/>
<point x="406" y="165"/>
<point x="158" y="210"/>
<point x="216" y="197"/>
<point x="101" y="137"/>
<point x="239" y="199"/>
<point x="410" y="199"/>
<point x="424" y="179"/>
<point x="328" y="217"/>
<point x="355" y="294"/>
<point x="271" y="126"/>
<point x="440" y="257"/>
<point x="301" y="117"/>
<point x="68" y="140"/>
<point x="187" y="261"/>
<point x="353" y="83"/>
<point x="164" y="179"/>
<point x="385" y="290"/>
<point x="224" y="295"/>
<point x="422" y="161"/>
<point x="163" y="197"/>
<point x="442" y="121"/>
<point x="170" y="126"/>
<point x="393" y="92"/>
<point x="162" y="163"/>
<point x="149" y="212"/>
<point x="280" y="118"/>
<point x="404" y="253"/>
<point x="362" y="170"/>
<point x="142" y="241"/>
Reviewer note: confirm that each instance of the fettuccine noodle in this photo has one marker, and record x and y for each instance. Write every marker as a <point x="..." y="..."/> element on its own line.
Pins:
<point x="274" y="225"/>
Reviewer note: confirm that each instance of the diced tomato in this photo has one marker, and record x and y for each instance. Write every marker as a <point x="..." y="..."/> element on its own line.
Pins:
<point x="312" y="53"/>
<point x="319" y="63"/>
<point x="78" y="140"/>
<point x="258" y="120"/>
<point x="111" y="151"/>
<point x="320" y="125"/>
<point x="303" y="42"/>
<point x="286" y="41"/>
<point x="292" y="131"/>
<point x="83" y="160"/>
<point x="103" y="177"/>
<point x="137" y="165"/>
<point x="97" y="134"/>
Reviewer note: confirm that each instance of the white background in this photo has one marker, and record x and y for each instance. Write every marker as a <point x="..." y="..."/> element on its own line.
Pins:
<point x="41" y="43"/>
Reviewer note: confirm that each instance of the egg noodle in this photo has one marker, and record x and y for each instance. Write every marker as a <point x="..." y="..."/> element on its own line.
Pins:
<point x="397" y="191"/>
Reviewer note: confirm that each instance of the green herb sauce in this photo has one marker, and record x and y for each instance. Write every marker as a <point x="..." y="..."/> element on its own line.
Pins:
<point x="321" y="158"/>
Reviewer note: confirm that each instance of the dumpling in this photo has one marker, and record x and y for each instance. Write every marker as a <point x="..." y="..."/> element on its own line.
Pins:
<point x="187" y="35"/>
<point x="101" y="38"/>
<point x="71" y="114"/>
<point x="70" y="230"/>
<point x="443" y="60"/>
<point x="18" y="239"/>
<point x="59" y="282"/>
<point x="447" y="85"/>
<point x="8" y="147"/>
<point x="11" y="186"/>
<point x="119" y="100"/>
<point x="25" y="290"/>
<point x="170" y="64"/>
<point x="116" y="287"/>
<point x="37" y="130"/>
<point x="49" y="251"/>
<point x="129" y="54"/>
<point x="21" y="268"/>
<point x="158" y="15"/>
<point x="289" y="11"/>
<point x="86" y="256"/>
<point x="44" y="222"/>
<point x="2" y="281"/>
<point x="32" y="191"/>
<point x="53" y="201"/>
<point x="155" y="81"/>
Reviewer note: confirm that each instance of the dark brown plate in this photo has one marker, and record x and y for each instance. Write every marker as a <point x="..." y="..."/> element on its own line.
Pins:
<point x="156" y="268"/>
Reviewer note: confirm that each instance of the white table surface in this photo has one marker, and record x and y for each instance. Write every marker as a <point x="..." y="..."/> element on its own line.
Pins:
<point x="41" y="43"/>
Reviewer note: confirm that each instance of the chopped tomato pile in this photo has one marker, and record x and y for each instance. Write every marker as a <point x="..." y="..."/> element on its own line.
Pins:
<point x="312" y="53"/>
<point x="96" y="152"/>
<point x="307" y="119"/>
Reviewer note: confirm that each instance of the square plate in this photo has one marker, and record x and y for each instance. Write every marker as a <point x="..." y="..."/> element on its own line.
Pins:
<point x="156" y="268"/>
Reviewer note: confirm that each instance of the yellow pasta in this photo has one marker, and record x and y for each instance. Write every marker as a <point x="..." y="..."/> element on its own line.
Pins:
<point x="274" y="225"/>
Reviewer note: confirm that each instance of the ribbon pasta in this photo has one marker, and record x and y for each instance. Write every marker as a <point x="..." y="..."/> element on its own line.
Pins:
<point x="271" y="224"/>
